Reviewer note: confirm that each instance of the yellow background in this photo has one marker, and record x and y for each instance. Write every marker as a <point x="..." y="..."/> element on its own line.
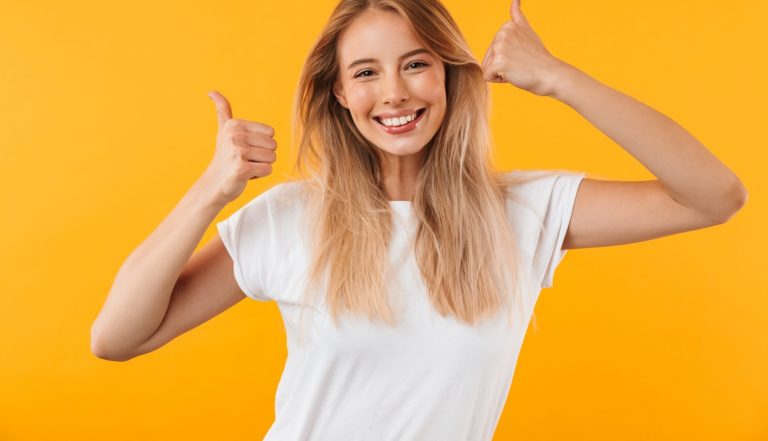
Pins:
<point x="105" y="124"/>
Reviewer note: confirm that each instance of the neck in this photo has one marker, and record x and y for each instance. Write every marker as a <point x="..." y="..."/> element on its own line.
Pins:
<point x="400" y="174"/>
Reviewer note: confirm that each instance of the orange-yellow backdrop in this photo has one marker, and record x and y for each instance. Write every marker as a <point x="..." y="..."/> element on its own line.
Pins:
<point x="105" y="124"/>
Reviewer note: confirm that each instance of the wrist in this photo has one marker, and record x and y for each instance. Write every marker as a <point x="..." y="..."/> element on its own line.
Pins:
<point x="562" y="80"/>
<point x="203" y="198"/>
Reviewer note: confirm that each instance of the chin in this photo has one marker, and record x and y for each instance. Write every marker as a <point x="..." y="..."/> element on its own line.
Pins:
<point x="403" y="151"/>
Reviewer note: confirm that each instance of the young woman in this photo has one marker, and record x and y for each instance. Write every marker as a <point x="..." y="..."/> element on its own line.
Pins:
<point x="417" y="264"/>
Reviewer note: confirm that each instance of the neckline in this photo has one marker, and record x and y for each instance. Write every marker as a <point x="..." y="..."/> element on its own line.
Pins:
<point x="401" y="206"/>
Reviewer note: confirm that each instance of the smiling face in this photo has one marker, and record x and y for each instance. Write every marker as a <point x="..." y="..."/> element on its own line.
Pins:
<point x="385" y="80"/>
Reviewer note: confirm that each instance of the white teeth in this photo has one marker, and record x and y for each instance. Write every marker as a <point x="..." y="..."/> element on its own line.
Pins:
<point x="394" y="122"/>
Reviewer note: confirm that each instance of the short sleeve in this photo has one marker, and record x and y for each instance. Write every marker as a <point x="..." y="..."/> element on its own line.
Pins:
<point x="560" y="194"/>
<point x="247" y="235"/>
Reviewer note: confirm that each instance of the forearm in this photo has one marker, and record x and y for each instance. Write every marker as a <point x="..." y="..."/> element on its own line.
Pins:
<point x="689" y="172"/>
<point x="141" y="291"/>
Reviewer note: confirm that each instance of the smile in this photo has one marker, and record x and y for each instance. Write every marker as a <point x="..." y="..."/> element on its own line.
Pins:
<point x="407" y="127"/>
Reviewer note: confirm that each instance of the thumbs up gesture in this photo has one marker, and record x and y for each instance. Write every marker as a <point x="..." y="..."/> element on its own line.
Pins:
<point x="517" y="56"/>
<point x="245" y="150"/>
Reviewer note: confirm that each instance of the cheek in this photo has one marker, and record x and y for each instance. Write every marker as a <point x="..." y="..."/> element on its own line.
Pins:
<point x="361" y="98"/>
<point x="431" y="88"/>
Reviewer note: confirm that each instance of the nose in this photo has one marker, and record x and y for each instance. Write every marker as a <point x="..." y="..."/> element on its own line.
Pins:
<point x="394" y="90"/>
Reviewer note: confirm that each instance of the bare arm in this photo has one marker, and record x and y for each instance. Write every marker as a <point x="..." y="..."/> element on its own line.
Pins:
<point x="136" y="316"/>
<point x="140" y="294"/>
<point x="693" y="188"/>
<point x="687" y="170"/>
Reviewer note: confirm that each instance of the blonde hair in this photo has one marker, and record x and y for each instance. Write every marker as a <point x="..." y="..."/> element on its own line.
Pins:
<point x="464" y="245"/>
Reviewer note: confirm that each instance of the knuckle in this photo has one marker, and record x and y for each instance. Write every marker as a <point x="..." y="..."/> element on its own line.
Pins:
<point x="242" y="169"/>
<point x="230" y="132"/>
<point x="269" y="130"/>
<point x="234" y="125"/>
<point x="265" y="141"/>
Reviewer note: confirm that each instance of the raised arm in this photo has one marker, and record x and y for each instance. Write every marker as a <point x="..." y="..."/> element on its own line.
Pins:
<point x="161" y="290"/>
<point x="141" y="291"/>
<point x="693" y="188"/>
<point x="690" y="173"/>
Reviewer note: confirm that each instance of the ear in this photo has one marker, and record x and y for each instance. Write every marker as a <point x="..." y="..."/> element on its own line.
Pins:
<point x="339" y="92"/>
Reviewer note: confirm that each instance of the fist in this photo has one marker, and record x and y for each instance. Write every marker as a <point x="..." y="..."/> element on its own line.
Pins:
<point x="245" y="150"/>
<point x="518" y="56"/>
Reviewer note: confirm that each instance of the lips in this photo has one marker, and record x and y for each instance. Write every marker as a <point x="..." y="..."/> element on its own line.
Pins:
<point x="418" y="114"/>
<point x="405" y="128"/>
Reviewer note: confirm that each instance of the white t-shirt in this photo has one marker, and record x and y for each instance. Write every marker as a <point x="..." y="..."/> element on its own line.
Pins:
<point x="429" y="378"/>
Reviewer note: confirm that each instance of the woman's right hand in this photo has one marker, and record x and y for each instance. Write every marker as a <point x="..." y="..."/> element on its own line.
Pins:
<point x="244" y="151"/>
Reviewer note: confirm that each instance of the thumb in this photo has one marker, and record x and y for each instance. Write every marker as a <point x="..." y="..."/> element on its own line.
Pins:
<point x="223" y="110"/>
<point x="515" y="13"/>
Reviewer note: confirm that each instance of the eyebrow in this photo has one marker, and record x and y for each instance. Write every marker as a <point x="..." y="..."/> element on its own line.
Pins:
<point x="373" y="60"/>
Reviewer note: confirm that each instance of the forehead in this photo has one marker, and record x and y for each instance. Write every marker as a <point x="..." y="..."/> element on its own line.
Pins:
<point x="376" y="34"/>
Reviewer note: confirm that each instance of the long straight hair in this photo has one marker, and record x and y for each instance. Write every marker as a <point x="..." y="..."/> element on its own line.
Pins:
<point x="464" y="244"/>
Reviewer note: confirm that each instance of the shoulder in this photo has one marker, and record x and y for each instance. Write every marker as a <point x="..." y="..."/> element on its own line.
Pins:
<point x="280" y="194"/>
<point x="537" y="180"/>
<point x="289" y="191"/>
<point x="278" y="203"/>
<point x="539" y="192"/>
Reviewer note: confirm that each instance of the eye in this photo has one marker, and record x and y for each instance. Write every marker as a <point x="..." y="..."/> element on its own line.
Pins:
<point x="360" y="74"/>
<point x="419" y="62"/>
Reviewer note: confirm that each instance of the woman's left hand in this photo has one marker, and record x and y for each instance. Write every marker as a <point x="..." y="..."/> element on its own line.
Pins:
<point x="518" y="56"/>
